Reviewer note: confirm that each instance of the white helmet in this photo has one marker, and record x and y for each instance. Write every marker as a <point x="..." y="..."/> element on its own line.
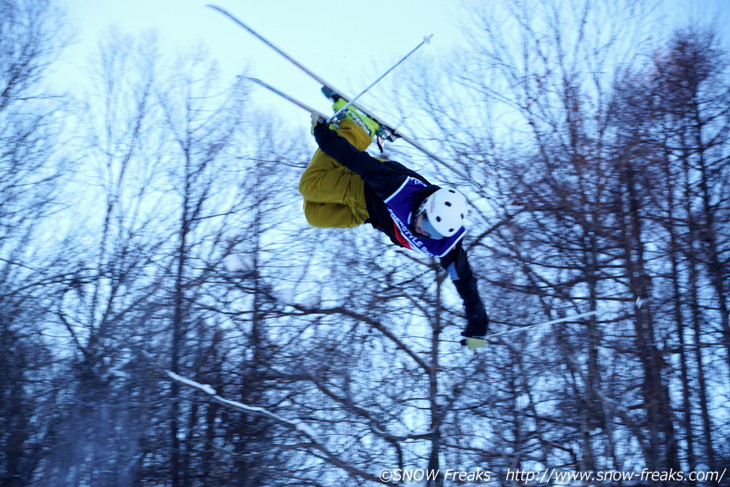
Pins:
<point x="446" y="211"/>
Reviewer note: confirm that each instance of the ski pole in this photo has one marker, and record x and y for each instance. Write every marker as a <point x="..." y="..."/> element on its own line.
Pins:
<point x="637" y="304"/>
<point x="426" y="40"/>
<point x="545" y="323"/>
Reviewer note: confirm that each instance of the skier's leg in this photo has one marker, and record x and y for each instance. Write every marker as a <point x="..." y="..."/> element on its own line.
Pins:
<point x="331" y="215"/>
<point x="327" y="182"/>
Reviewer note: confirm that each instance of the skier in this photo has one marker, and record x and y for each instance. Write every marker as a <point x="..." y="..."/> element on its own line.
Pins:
<point x="344" y="187"/>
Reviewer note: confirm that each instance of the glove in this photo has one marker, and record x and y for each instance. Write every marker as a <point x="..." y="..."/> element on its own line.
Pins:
<point x="471" y="342"/>
<point x="316" y="120"/>
<point x="475" y="332"/>
<point x="321" y="130"/>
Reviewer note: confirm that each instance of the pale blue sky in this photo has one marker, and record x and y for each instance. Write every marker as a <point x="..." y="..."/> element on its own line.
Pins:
<point x="339" y="41"/>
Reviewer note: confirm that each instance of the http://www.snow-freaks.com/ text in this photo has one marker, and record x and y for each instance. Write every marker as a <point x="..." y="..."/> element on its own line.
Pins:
<point x="554" y="475"/>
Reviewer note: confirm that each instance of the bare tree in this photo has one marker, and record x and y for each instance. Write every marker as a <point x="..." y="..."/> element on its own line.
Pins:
<point x="580" y="238"/>
<point x="31" y="166"/>
<point x="676" y="109"/>
<point x="203" y="334"/>
<point x="112" y="256"/>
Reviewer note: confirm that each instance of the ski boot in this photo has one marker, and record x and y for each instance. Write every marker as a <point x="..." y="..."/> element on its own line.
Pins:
<point x="380" y="132"/>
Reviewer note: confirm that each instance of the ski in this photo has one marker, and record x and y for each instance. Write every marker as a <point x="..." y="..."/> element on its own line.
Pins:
<point x="286" y="56"/>
<point x="391" y="133"/>
<point x="283" y="95"/>
<point x="387" y="133"/>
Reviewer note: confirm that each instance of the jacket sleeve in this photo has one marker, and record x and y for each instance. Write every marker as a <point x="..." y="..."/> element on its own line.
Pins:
<point x="382" y="178"/>
<point x="460" y="272"/>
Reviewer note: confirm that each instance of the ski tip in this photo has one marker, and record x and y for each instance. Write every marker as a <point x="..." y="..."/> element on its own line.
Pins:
<point x="248" y="78"/>
<point x="220" y="10"/>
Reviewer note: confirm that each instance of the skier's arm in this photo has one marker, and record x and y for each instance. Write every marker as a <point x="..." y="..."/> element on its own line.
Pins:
<point x="382" y="178"/>
<point x="460" y="272"/>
